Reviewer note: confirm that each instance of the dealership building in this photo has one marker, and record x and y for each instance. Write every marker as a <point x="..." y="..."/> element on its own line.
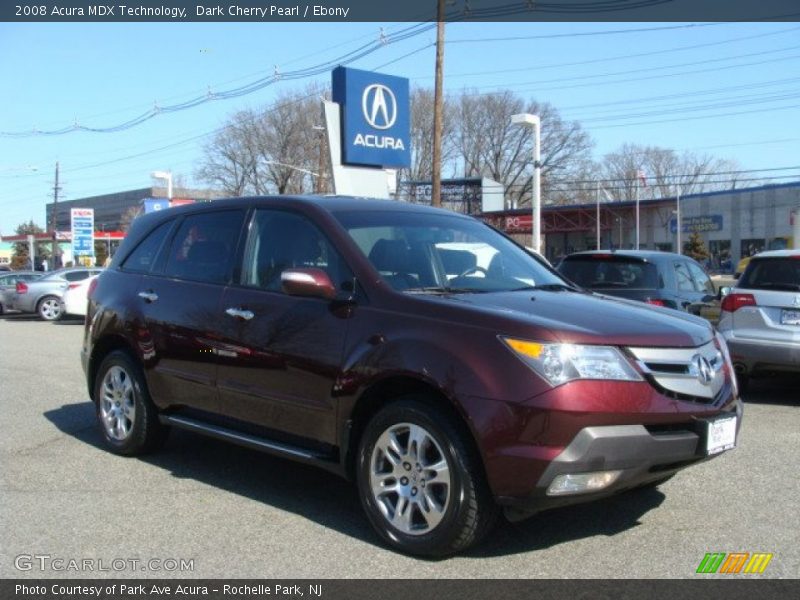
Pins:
<point x="732" y="224"/>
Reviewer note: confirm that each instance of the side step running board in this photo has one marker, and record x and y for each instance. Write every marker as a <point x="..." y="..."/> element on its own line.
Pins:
<point x="251" y="441"/>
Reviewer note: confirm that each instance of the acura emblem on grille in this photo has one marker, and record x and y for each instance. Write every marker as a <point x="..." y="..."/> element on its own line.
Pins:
<point x="701" y="368"/>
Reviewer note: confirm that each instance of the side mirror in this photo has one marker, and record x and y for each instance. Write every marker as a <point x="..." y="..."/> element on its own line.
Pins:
<point x="737" y="275"/>
<point x="723" y="291"/>
<point x="310" y="282"/>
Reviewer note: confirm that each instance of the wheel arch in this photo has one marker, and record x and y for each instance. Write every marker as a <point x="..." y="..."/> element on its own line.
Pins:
<point x="102" y="348"/>
<point x="390" y="389"/>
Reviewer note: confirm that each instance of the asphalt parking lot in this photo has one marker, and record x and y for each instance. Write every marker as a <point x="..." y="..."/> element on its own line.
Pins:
<point x="238" y="513"/>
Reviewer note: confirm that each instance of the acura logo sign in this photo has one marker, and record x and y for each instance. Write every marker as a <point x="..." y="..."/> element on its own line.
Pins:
<point x="379" y="106"/>
<point x="702" y="369"/>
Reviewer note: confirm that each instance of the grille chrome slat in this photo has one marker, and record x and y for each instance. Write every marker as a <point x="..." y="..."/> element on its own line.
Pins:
<point x="695" y="372"/>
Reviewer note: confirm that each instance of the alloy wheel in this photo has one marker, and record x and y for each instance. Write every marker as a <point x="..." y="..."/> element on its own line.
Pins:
<point x="410" y="478"/>
<point x="117" y="403"/>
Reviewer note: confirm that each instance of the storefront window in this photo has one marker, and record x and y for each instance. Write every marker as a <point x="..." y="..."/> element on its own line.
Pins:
<point x="720" y="251"/>
<point x="751" y="247"/>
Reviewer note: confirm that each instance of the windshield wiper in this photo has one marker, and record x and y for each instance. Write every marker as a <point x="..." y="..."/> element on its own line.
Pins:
<point x="547" y="287"/>
<point x="444" y="290"/>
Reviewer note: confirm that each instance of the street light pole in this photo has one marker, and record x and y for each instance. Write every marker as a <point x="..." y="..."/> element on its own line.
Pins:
<point x="679" y="223"/>
<point x="536" y="193"/>
<point x="598" y="214"/>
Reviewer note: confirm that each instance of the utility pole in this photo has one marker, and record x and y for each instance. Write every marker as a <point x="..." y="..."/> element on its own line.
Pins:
<point x="438" y="110"/>
<point x="56" y="254"/>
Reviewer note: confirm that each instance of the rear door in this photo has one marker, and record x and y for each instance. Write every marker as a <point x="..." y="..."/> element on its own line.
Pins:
<point x="774" y="283"/>
<point x="180" y="306"/>
<point x="281" y="355"/>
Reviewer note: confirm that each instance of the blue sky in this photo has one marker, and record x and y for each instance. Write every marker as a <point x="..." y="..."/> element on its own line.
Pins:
<point x="732" y="90"/>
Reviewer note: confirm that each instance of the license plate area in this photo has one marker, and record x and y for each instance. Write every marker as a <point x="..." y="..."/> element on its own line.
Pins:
<point x="720" y="434"/>
<point x="790" y="317"/>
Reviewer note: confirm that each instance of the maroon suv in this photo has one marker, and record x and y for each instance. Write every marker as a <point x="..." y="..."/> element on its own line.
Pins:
<point x="417" y="351"/>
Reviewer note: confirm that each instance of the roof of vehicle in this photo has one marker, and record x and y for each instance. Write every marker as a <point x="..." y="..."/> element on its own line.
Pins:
<point x="649" y="255"/>
<point x="330" y="203"/>
<point x="777" y="254"/>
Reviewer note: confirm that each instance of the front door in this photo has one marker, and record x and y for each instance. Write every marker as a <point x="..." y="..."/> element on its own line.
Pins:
<point x="283" y="353"/>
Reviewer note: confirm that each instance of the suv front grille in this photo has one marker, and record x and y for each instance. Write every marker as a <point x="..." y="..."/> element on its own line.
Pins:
<point x="690" y="373"/>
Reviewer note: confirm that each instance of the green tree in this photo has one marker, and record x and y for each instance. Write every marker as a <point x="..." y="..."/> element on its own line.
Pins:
<point x="21" y="257"/>
<point x="695" y="248"/>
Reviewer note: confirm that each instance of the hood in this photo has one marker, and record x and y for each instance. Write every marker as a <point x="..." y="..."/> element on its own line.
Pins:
<point x="578" y="317"/>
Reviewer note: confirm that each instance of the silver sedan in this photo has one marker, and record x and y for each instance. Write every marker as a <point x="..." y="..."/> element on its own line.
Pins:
<point x="44" y="295"/>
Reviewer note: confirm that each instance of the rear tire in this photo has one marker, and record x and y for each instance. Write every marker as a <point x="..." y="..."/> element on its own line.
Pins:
<point x="127" y="417"/>
<point x="421" y="482"/>
<point x="50" y="308"/>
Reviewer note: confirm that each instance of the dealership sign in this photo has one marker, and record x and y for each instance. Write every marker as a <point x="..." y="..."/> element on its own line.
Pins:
<point x="82" y="231"/>
<point x="375" y="118"/>
<point x="698" y="224"/>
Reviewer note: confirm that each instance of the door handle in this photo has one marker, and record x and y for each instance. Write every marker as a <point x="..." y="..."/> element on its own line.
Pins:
<point x="240" y="313"/>
<point x="148" y="296"/>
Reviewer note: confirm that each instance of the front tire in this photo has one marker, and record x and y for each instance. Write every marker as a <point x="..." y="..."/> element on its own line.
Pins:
<point x="421" y="482"/>
<point x="50" y="308"/>
<point x="127" y="417"/>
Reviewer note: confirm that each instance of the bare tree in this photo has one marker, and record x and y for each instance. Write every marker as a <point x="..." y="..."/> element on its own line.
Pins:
<point x="421" y="125"/>
<point x="274" y="150"/>
<point x="490" y="146"/>
<point x="666" y="172"/>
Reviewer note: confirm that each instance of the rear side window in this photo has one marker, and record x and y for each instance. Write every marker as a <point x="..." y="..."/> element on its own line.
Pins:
<point x="76" y="275"/>
<point x="204" y="245"/>
<point x="683" y="279"/>
<point x="142" y="259"/>
<point x="782" y="273"/>
<point x="702" y="281"/>
<point x="613" y="273"/>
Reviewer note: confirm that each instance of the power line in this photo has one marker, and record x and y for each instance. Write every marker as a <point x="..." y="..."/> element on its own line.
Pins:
<point x="538" y="67"/>
<point x="244" y="90"/>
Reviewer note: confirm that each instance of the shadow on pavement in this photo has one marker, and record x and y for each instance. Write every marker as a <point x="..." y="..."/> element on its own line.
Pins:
<point x="333" y="502"/>
<point x="779" y="388"/>
<point x="70" y="320"/>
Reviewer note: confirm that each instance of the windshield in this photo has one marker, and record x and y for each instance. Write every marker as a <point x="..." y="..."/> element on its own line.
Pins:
<point x="600" y="272"/>
<point x="419" y="252"/>
<point x="780" y="273"/>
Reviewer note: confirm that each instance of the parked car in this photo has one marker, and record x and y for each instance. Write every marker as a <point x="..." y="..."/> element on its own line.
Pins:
<point x="761" y="316"/>
<point x="369" y="338"/>
<point x="659" y="278"/>
<point x="8" y="283"/>
<point x="75" y="299"/>
<point x="43" y="296"/>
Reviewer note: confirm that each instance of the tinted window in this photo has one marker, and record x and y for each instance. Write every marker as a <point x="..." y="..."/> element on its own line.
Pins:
<point x="702" y="281"/>
<point x="431" y="253"/>
<point x="772" y="274"/>
<point x="280" y="240"/>
<point x="77" y="275"/>
<point x="683" y="280"/>
<point x="601" y="272"/>
<point x="142" y="259"/>
<point x="203" y="246"/>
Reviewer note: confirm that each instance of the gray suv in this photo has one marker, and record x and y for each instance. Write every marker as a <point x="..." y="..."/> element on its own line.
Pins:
<point x="760" y="317"/>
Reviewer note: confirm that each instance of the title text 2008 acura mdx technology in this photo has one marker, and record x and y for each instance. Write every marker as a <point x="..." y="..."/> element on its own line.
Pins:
<point x="417" y="351"/>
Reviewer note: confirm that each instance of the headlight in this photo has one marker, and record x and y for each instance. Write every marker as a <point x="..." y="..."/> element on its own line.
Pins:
<point x="722" y="345"/>
<point x="560" y="363"/>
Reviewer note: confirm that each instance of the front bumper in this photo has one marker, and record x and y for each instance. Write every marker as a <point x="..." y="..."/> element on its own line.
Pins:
<point x="641" y="453"/>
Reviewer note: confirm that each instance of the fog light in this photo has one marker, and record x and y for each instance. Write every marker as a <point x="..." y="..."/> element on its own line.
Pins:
<point x="582" y="483"/>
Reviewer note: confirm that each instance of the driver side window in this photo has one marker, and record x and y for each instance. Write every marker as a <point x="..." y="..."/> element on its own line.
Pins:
<point x="280" y="240"/>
